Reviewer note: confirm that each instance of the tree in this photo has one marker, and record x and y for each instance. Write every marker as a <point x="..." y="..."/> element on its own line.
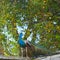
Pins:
<point x="41" y="16"/>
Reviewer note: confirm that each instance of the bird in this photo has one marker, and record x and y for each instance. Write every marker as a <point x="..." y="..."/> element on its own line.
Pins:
<point x="23" y="44"/>
<point x="30" y="48"/>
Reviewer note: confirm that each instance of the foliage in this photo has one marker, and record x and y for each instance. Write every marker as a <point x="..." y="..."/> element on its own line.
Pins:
<point x="41" y="16"/>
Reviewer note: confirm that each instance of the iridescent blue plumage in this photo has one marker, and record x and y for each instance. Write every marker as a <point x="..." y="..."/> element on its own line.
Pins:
<point x="21" y="42"/>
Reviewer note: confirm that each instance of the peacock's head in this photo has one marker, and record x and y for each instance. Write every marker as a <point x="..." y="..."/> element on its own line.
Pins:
<point x="21" y="34"/>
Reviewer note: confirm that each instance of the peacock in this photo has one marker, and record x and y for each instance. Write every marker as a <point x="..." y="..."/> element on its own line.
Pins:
<point x="23" y="44"/>
<point x="31" y="48"/>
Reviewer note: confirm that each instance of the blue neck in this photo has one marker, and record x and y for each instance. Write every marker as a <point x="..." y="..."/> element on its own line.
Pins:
<point x="20" y="36"/>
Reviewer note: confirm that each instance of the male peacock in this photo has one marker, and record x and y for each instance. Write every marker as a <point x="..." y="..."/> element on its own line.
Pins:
<point x="23" y="44"/>
<point x="34" y="49"/>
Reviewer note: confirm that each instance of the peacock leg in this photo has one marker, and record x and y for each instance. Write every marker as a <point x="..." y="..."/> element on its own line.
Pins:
<point x="21" y="52"/>
<point x="26" y="52"/>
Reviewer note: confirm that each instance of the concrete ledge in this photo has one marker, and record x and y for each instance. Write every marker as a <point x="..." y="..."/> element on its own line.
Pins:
<point x="14" y="58"/>
<point x="52" y="57"/>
